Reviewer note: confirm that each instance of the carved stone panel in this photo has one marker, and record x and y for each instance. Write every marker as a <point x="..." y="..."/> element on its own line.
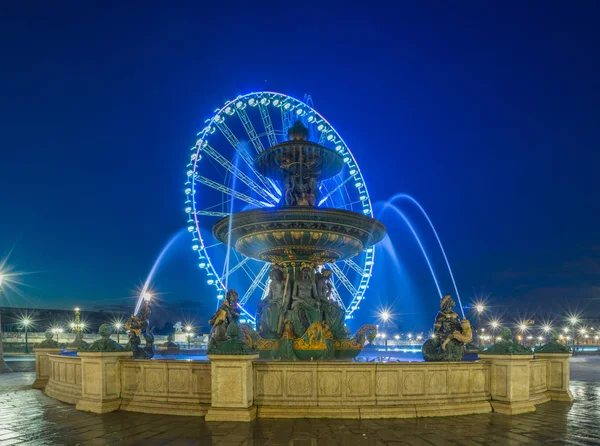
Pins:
<point x="359" y="384"/>
<point x="556" y="377"/>
<point x="131" y="378"/>
<point x="330" y="384"/>
<point x="386" y="383"/>
<point x="179" y="380"/>
<point x="479" y="379"/>
<point x="270" y="383"/>
<point x="500" y="382"/>
<point x="299" y="383"/>
<point x="413" y="383"/>
<point x="437" y="383"/>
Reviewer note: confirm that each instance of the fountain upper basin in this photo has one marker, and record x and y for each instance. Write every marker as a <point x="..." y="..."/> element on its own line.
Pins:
<point x="299" y="234"/>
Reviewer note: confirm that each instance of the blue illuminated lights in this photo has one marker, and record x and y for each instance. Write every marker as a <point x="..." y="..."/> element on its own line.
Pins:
<point x="276" y="112"/>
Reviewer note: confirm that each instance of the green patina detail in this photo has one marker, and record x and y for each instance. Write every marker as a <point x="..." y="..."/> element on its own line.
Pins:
<point x="104" y="344"/>
<point x="233" y="346"/>
<point x="49" y="342"/>
<point x="454" y="351"/>
<point x="553" y="346"/>
<point x="79" y="343"/>
<point x="506" y="346"/>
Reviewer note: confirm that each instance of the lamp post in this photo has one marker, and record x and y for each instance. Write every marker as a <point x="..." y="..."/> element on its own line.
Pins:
<point x="118" y="326"/>
<point x="523" y="330"/>
<point x="480" y="309"/>
<point x="3" y="367"/>
<point x="384" y="336"/>
<point x="26" y="323"/>
<point x="547" y="329"/>
<point x="573" y="321"/>
<point x="188" y="329"/>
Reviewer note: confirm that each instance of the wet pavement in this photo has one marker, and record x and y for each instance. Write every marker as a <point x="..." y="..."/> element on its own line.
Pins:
<point x="28" y="417"/>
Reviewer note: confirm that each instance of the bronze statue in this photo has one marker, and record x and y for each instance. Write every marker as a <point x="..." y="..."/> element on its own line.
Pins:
<point x="305" y="305"/>
<point x="332" y="312"/>
<point x="450" y="335"/>
<point x="227" y="314"/>
<point x="270" y="308"/>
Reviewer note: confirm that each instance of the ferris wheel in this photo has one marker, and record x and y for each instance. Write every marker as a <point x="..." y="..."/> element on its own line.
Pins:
<point x="222" y="179"/>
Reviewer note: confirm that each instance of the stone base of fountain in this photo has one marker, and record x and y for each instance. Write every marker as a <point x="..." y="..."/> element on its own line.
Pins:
<point x="244" y="387"/>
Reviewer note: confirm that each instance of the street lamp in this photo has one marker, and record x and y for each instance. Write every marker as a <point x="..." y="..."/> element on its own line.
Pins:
<point x="56" y="331"/>
<point x="523" y="330"/>
<point x="26" y="323"/>
<point x="480" y="308"/>
<point x="188" y="329"/>
<point x="3" y="367"/>
<point x="118" y="326"/>
<point x="573" y="320"/>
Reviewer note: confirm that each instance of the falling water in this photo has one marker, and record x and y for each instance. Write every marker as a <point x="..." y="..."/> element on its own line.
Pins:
<point x="155" y="268"/>
<point x="388" y="205"/>
<point x="403" y="196"/>
<point x="228" y="255"/>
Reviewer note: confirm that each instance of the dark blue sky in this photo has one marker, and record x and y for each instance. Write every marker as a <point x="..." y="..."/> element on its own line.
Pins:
<point x="488" y="113"/>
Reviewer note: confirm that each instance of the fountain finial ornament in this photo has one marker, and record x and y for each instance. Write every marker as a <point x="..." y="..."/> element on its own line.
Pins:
<point x="450" y="335"/>
<point x="298" y="132"/>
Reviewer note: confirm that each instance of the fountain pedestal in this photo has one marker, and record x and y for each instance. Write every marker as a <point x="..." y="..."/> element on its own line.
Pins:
<point x="510" y="383"/>
<point x="42" y="366"/>
<point x="232" y="388"/>
<point x="101" y="384"/>
<point x="557" y="375"/>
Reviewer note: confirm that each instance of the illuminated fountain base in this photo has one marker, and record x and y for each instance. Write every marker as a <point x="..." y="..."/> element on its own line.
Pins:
<point x="242" y="387"/>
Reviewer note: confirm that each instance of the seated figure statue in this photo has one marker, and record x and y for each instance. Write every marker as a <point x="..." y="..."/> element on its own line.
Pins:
<point x="333" y="314"/>
<point x="227" y="313"/>
<point x="450" y="335"/>
<point x="305" y="305"/>
<point x="270" y="308"/>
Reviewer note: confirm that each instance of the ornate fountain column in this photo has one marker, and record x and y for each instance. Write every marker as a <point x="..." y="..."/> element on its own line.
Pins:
<point x="300" y="317"/>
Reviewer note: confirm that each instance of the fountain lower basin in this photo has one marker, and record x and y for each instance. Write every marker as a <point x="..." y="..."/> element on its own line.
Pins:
<point x="299" y="234"/>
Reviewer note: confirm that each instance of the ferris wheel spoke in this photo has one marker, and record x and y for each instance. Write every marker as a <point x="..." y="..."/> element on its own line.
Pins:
<point x="257" y="143"/>
<point x="266" y="194"/>
<point x="229" y="191"/>
<point x="352" y="264"/>
<point x="266" y="118"/>
<point x="342" y="278"/>
<point x="226" y="131"/>
<point x="336" y="296"/>
<point x="286" y="122"/>
<point x="334" y="190"/>
<point x="255" y="284"/>
<point x="211" y="213"/>
<point x="235" y="268"/>
<point x="254" y="138"/>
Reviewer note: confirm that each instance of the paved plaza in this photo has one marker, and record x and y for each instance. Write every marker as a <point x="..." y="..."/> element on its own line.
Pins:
<point x="28" y="417"/>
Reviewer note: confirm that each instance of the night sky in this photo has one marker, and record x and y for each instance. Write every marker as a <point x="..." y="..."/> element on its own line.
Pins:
<point x="486" y="112"/>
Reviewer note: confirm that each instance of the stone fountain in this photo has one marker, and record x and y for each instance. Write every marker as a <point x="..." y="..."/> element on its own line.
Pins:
<point x="299" y="318"/>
